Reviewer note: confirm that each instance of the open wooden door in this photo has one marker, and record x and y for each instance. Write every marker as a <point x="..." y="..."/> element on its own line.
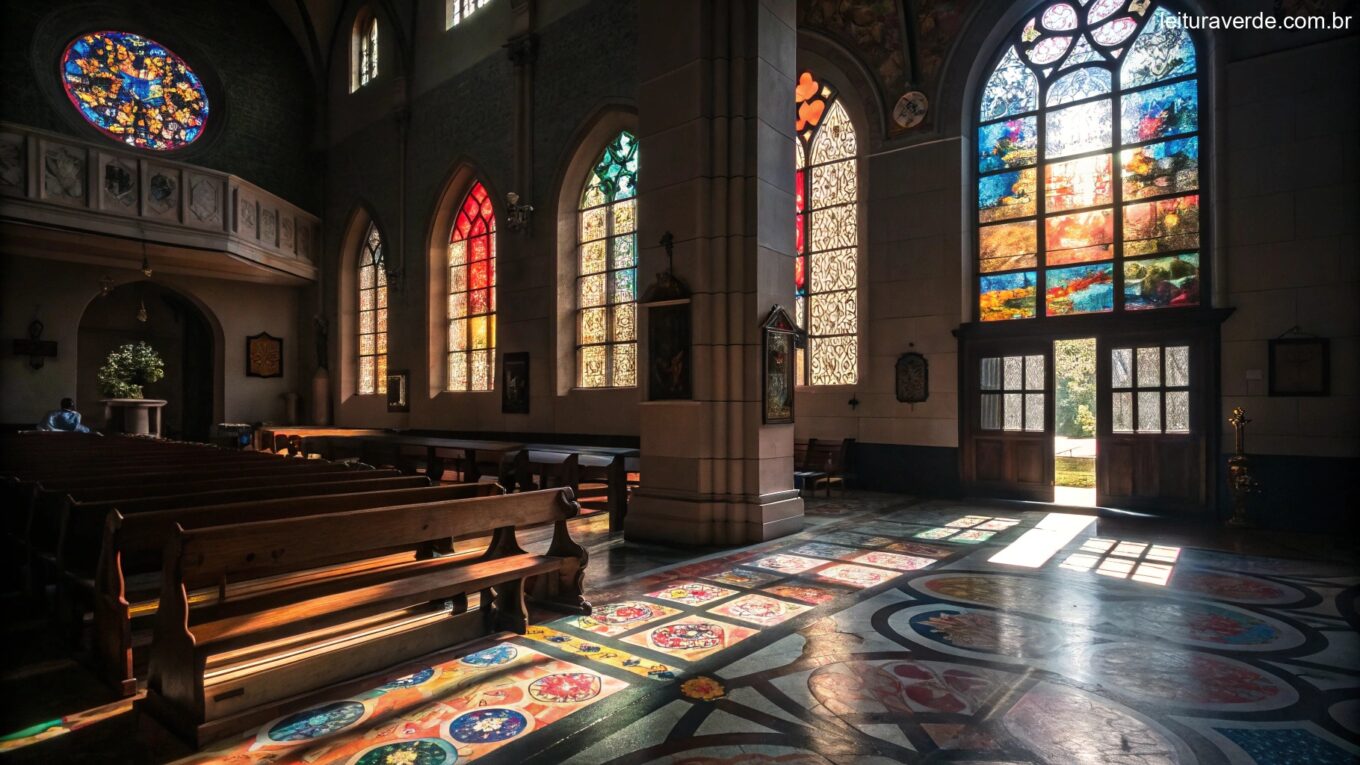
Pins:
<point x="1153" y="436"/>
<point x="1008" y="444"/>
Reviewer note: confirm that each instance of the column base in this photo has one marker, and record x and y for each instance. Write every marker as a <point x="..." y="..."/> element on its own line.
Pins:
<point x="711" y="520"/>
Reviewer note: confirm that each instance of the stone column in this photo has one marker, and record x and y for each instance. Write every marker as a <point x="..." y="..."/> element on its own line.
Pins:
<point x="715" y="124"/>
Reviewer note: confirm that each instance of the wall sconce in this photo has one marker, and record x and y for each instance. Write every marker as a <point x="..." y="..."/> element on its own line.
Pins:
<point x="517" y="215"/>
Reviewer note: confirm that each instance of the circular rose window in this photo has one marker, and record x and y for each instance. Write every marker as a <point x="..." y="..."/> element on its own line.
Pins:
<point x="134" y="90"/>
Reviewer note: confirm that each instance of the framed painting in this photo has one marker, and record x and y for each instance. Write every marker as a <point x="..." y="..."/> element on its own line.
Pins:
<point x="515" y="383"/>
<point x="264" y="355"/>
<point x="1300" y="366"/>
<point x="668" y="336"/>
<point x="398" y="397"/>
<point x="778" y="378"/>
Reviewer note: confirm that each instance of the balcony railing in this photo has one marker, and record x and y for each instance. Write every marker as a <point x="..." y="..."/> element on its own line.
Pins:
<point x="54" y="180"/>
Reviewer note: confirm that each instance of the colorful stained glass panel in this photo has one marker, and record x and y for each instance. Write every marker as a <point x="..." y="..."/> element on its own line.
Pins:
<point x="1162" y="50"/>
<point x="1168" y="110"/>
<point x="1007" y="246"/>
<point x="1077" y="129"/>
<point x="1007" y="296"/>
<point x="1161" y="282"/>
<point x="1007" y="195"/>
<point x="1077" y="183"/>
<point x="1161" y="225"/>
<point x="1079" y="289"/>
<point x="1079" y="237"/>
<point x="134" y="90"/>
<point x="1087" y="82"/>
<point x="1006" y="145"/>
<point x="1169" y="167"/>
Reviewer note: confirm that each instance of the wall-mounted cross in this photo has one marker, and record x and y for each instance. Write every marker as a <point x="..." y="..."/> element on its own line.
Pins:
<point x="36" y="349"/>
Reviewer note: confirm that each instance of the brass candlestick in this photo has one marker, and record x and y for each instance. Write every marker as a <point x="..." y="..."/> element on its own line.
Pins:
<point x="1239" y="470"/>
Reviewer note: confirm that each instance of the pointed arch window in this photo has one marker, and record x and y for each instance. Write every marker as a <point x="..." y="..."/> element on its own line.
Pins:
<point x="372" y="315"/>
<point x="1088" y="169"/>
<point x="365" y="64"/>
<point x="472" y="294"/>
<point x="826" y="287"/>
<point x="606" y="281"/>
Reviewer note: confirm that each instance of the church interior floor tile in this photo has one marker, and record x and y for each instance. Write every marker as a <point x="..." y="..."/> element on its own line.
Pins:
<point x="882" y="633"/>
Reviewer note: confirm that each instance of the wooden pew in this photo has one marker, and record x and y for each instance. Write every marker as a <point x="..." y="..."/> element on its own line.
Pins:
<point x="126" y="580"/>
<point x="544" y="468"/>
<point x="249" y="658"/>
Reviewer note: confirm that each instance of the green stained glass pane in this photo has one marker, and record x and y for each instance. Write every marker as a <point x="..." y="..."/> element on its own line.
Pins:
<point x="593" y="195"/>
<point x="624" y="251"/>
<point x="625" y="286"/>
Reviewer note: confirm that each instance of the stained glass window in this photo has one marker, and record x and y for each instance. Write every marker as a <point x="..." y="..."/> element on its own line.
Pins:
<point x="134" y="90"/>
<point x="826" y="296"/>
<point x="366" y="50"/>
<point x="1088" y="164"/>
<point x="372" y="315"/>
<point x="455" y="11"/>
<point x="606" y="282"/>
<point x="472" y="294"/>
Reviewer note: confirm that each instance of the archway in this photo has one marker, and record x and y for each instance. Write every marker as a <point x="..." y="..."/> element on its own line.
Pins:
<point x="177" y="328"/>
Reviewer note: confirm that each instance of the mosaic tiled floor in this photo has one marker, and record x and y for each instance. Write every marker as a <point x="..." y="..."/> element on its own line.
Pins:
<point x="888" y="633"/>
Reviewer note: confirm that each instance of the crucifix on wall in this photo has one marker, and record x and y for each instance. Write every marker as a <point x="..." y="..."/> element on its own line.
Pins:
<point x="34" y="347"/>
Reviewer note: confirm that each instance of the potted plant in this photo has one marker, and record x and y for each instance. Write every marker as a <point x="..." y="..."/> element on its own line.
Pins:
<point x="126" y="371"/>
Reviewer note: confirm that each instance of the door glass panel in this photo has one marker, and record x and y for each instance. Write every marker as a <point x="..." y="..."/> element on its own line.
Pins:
<point x="1121" y="414"/>
<point x="1149" y="367"/>
<point x="1177" y="411"/>
<point x="1121" y="368"/>
<point x="991" y="374"/>
<point x="1014" y="414"/>
<point x="1149" y="412"/>
<point x="1034" y="411"/>
<point x="1034" y="373"/>
<point x="1014" y="374"/>
<point x="1177" y="366"/>
<point x="991" y="410"/>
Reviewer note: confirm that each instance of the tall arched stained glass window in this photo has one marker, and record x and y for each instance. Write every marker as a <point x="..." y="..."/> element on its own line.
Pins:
<point x="606" y="281"/>
<point x="827" y="238"/>
<point x="365" y="65"/>
<point x="472" y="294"/>
<point x="372" y="315"/>
<point x="1088" y="164"/>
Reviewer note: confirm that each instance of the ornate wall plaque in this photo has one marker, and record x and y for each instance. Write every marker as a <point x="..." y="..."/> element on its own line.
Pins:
<point x="913" y="378"/>
<point x="264" y="356"/>
<point x="398" y="398"/>
<point x="515" y="383"/>
<point x="911" y="108"/>
<point x="781" y="338"/>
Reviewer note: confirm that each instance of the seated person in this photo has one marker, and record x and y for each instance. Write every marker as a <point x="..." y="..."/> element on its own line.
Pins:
<point x="64" y="419"/>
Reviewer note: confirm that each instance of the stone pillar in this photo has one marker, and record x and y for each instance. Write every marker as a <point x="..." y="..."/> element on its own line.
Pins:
<point x="715" y="124"/>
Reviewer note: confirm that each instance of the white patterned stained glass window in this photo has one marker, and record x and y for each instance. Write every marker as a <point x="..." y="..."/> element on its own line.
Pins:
<point x="606" y="275"/>
<point x="1150" y="389"/>
<point x="372" y="340"/>
<point x="364" y="68"/>
<point x="472" y="295"/>
<point x="826" y="195"/>
<point x="1014" y="396"/>
<point x="457" y="11"/>
<point x="1088" y="164"/>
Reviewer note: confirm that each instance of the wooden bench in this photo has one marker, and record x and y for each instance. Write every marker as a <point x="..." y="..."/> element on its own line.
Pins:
<point x="605" y="476"/>
<point x="249" y="658"/>
<point x="125" y="584"/>
<point x="821" y="463"/>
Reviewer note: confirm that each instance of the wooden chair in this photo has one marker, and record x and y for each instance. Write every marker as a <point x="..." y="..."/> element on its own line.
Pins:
<point x="252" y="656"/>
<point x="824" y="464"/>
<point x="125" y="584"/>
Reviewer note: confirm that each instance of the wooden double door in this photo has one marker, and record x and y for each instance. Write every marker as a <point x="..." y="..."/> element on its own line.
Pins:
<point x="1155" y="411"/>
